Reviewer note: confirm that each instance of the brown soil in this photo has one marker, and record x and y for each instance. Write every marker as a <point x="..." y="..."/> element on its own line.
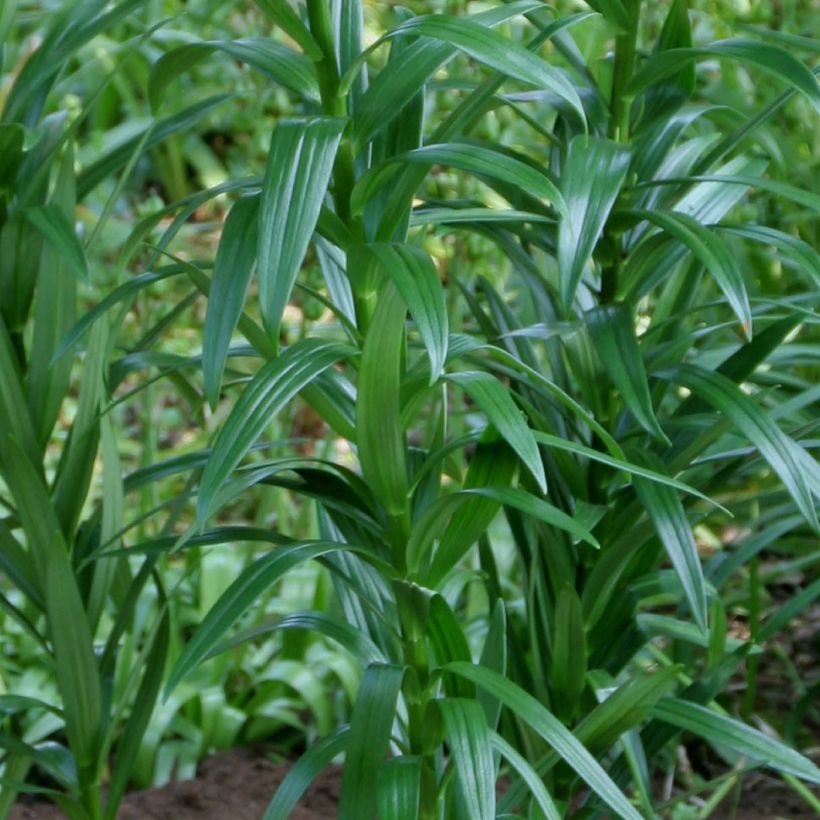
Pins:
<point x="235" y="785"/>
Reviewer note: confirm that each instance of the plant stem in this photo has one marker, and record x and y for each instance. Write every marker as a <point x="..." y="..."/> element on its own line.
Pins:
<point x="625" y="46"/>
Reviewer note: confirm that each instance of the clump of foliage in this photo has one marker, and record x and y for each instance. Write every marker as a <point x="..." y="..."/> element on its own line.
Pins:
<point x="631" y="378"/>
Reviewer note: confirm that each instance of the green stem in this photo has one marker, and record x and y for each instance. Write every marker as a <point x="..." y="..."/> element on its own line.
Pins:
<point x="624" y="68"/>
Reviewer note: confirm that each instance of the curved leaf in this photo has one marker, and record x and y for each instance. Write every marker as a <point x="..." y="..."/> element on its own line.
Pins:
<point x="591" y="179"/>
<point x="371" y="724"/>
<point x="232" y="275"/>
<point x="503" y="413"/>
<point x="276" y="61"/>
<point x="300" y="162"/>
<point x="469" y="741"/>
<point x="270" y="389"/>
<point x="528" y="709"/>
<point x="239" y="597"/>
<point x="417" y="280"/>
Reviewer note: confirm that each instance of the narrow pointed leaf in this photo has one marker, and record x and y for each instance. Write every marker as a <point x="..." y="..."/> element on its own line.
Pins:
<point x="300" y="162"/>
<point x="417" y="280"/>
<point x="712" y="252"/>
<point x="469" y="741"/>
<point x="774" y="60"/>
<point x="472" y="157"/>
<point x="304" y="772"/>
<point x="503" y="413"/>
<point x="284" y="16"/>
<point x="612" y="330"/>
<point x="528" y="709"/>
<point x="243" y="593"/>
<point x="726" y="731"/>
<point x="233" y="267"/>
<point x="370" y="727"/>
<point x="275" y="60"/>
<point x="57" y="229"/>
<point x="399" y="788"/>
<point x="528" y="775"/>
<point x="270" y="389"/>
<point x="591" y="179"/>
<point x="675" y="532"/>
<point x="774" y="445"/>
<point x="380" y="437"/>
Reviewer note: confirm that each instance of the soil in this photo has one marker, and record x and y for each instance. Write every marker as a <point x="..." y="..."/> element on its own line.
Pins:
<point x="234" y="785"/>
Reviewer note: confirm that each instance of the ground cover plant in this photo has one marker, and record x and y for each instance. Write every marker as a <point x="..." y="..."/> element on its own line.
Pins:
<point x="530" y="461"/>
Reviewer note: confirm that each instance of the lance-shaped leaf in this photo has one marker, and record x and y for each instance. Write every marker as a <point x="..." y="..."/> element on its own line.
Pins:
<point x="284" y="16"/>
<point x="239" y="597"/>
<point x="303" y="773"/>
<point x="399" y="788"/>
<point x="675" y="532"/>
<point x="475" y="158"/>
<point x="528" y="709"/>
<point x="56" y="227"/>
<point x="469" y="741"/>
<point x="300" y="162"/>
<point x="712" y="251"/>
<point x="269" y="390"/>
<point x="723" y="730"/>
<point x="232" y="274"/>
<point x="417" y="281"/>
<point x="769" y="58"/>
<point x="779" y="450"/>
<point x="370" y="726"/>
<point x="591" y="180"/>
<point x="276" y="61"/>
<point x="613" y="335"/>
<point x="503" y="413"/>
<point x="380" y="437"/>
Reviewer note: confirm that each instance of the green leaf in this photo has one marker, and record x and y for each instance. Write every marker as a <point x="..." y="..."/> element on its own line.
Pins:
<point x="76" y="666"/>
<point x="56" y="228"/>
<point x="276" y="61"/>
<point x="304" y="772"/>
<point x="620" y="464"/>
<point x="399" y="82"/>
<point x="300" y="163"/>
<point x="769" y="58"/>
<point x="672" y="526"/>
<point x="503" y="413"/>
<point x="417" y="280"/>
<point x="478" y="159"/>
<point x="725" y="731"/>
<point x="613" y="11"/>
<point x="379" y="432"/>
<point x="612" y="330"/>
<point x="371" y="724"/>
<point x="129" y="743"/>
<point x="493" y="50"/>
<point x="429" y="526"/>
<point x="469" y="742"/>
<point x="233" y="267"/>
<point x="256" y="579"/>
<point x="528" y="709"/>
<point x="528" y="775"/>
<point x="118" y="157"/>
<point x="569" y="652"/>
<point x="774" y="445"/>
<point x="712" y="252"/>
<point x="283" y="15"/>
<point x="276" y="383"/>
<point x="399" y="782"/>
<point x="591" y="179"/>
<point x="493" y="464"/>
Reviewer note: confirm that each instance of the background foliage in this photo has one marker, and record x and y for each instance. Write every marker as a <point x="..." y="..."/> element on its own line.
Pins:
<point x="585" y="464"/>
